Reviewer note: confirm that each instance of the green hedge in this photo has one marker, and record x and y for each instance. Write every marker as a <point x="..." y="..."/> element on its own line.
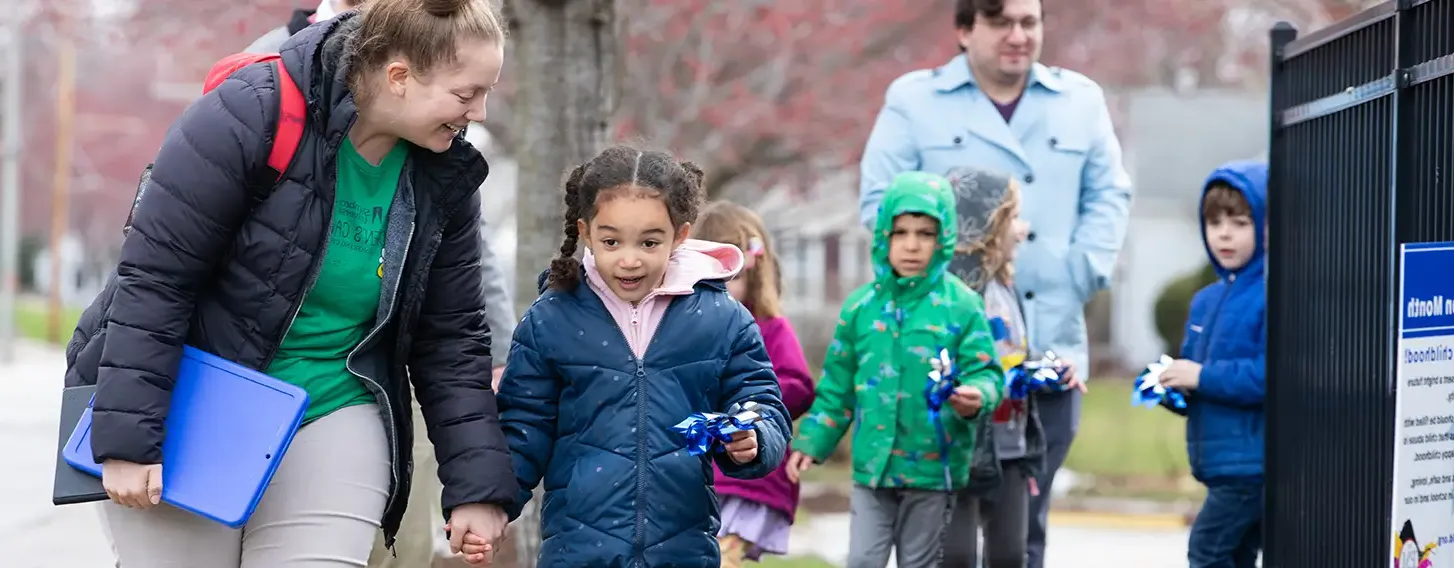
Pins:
<point x="1174" y="302"/>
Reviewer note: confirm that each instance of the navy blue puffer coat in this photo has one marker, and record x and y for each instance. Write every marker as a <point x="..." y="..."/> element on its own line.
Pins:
<point x="582" y="412"/>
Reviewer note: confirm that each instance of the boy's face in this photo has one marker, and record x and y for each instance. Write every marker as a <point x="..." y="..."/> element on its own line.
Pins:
<point x="1232" y="239"/>
<point x="912" y="244"/>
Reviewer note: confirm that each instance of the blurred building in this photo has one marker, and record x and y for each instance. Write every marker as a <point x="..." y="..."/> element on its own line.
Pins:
<point x="1172" y="142"/>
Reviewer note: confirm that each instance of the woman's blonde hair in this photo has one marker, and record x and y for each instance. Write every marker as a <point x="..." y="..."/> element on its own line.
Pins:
<point x="733" y="224"/>
<point x="994" y="262"/>
<point x="426" y="32"/>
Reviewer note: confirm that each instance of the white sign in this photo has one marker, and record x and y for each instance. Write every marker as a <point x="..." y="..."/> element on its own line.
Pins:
<point x="1423" y="467"/>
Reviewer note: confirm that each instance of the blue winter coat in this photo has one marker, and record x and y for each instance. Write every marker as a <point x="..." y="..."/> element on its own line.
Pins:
<point x="581" y="411"/>
<point x="1226" y="332"/>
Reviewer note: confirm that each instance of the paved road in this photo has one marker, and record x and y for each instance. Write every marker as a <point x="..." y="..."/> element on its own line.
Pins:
<point x="35" y="534"/>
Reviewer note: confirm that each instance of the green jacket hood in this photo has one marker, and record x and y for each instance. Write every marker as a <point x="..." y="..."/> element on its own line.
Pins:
<point x="924" y="194"/>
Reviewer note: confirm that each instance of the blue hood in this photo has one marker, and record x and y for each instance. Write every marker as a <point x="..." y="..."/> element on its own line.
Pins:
<point x="1250" y="178"/>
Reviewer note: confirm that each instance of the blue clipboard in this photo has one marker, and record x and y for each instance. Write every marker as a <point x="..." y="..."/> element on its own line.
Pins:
<point x="227" y="431"/>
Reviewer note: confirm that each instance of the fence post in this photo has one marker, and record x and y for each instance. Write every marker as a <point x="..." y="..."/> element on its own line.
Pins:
<point x="1281" y="35"/>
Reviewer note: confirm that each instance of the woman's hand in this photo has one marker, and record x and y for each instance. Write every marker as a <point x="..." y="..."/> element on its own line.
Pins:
<point x="132" y="485"/>
<point x="474" y="529"/>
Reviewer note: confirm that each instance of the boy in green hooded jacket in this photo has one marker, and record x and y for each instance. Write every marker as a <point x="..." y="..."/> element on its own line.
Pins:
<point x="907" y="463"/>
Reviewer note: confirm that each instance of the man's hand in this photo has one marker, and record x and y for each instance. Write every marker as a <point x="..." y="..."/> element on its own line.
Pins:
<point x="743" y="447"/>
<point x="1069" y="379"/>
<point x="132" y="485"/>
<point x="798" y="462"/>
<point x="1182" y="374"/>
<point x="474" y="529"/>
<point x="966" y="401"/>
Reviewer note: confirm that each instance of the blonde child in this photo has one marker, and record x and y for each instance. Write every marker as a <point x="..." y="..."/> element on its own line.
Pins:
<point x="757" y="515"/>
<point x="621" y="346"/>
<point x="990" y="228"/>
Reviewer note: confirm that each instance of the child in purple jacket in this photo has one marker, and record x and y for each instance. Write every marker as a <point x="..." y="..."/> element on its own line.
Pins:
<point x="757" y="515"/>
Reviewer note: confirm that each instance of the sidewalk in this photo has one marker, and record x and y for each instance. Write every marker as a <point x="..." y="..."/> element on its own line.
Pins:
<point x="1076" y="541"/>
<point x="34" y="533"/>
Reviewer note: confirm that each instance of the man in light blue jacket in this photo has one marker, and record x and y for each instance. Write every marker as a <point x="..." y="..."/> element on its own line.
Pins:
<point x="996" y="107"/>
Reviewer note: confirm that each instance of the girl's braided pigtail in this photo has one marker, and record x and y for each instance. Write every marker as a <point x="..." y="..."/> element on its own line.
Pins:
<point x="565" y="270"/>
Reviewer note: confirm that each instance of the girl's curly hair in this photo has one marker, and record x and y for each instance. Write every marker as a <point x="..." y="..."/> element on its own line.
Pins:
<point x="994" y="262"/>
<point x="622" y="168"/>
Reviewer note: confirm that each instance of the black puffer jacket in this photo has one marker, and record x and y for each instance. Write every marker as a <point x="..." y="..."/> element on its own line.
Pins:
<point x="212" y="262"/>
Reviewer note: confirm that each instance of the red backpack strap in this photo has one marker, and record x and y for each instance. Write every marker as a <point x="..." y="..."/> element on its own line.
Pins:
<point x="292" y="111"/>
<point x="292" y="108"/>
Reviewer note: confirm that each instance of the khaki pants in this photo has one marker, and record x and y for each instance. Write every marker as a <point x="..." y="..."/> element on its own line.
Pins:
<point x="424" y="519"/>
<point x="320" y="510"/>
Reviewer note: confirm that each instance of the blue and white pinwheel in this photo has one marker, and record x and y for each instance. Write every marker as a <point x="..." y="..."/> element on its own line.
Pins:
<point x="1149" y="392"/>
<point x="943" y="378"/>
<point x="1032" y="376"/>
<point x="709" y="431"/>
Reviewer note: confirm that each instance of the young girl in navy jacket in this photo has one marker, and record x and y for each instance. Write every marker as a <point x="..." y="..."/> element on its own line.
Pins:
<point x="621" y="346"/>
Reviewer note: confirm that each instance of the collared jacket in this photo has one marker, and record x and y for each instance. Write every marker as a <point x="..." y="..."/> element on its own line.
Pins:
<point x="1060" y="146"/>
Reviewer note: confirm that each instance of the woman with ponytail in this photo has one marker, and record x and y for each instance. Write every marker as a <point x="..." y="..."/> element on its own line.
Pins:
<point x="355" y="276"/>
<point x="622" y="345"/>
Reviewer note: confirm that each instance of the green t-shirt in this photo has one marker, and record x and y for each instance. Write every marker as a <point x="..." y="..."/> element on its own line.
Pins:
<point x="341" y="307"/>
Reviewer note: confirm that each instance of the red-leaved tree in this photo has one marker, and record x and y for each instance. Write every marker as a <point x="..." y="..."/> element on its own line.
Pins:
<point x="761" y="91"/>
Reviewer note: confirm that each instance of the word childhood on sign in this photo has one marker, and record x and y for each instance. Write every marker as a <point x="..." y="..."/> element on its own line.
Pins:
<point x="1423" y="466"/>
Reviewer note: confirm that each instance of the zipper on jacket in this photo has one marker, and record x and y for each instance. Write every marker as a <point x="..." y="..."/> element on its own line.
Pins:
<point x="639" y="539"/>
<point x="640" y="458"/>
<point x="312" y="279"/>
<point x="1205" y="345"/>
<point x="635" y="322"/>
<point x="379" y="390"/>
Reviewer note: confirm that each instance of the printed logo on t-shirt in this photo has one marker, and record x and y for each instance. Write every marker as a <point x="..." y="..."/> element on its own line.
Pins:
<point x="359" y="229"/>
<point x="381" y="264"/>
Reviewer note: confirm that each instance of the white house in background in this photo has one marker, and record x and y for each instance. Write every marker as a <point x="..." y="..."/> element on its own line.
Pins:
<point x="1173" y="141"/>
<point x="823" y="251"/>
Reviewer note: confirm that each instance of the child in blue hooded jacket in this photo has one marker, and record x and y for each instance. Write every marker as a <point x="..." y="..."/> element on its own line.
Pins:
<point x="621" y="346"/>
<point x="1223" y="370"/>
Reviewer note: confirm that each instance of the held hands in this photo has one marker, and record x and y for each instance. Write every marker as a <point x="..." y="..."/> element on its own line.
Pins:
<point x="966" y="400"/>
<point x="132" y="485"/>
<point x="1182" y="374"/>
<point x="474" y="529"/>
<point x="743" y="447"/>
<point x="798" y="462"/>
<point x="495" y="376"/>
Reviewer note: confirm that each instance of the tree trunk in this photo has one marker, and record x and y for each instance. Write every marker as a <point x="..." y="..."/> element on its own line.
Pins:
<point x="563" y="54"/>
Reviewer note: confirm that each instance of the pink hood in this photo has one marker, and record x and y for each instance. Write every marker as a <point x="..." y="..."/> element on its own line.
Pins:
<point x="692" y="262"/>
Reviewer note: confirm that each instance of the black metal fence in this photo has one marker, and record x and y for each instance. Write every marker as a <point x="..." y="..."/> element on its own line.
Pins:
<point x="1362" y="160"/>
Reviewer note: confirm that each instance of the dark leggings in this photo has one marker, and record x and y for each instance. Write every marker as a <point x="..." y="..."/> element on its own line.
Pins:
<point x="1004" y="516"/>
